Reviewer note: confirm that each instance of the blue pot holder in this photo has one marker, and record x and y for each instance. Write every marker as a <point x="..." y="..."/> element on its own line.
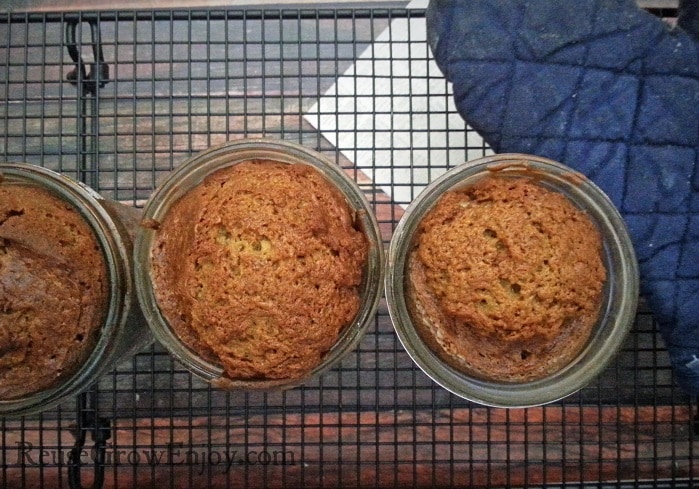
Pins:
<point x="613" y="92"/>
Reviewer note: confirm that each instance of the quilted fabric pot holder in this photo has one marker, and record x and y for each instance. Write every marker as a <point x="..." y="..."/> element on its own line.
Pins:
<point x="613" y="92"/>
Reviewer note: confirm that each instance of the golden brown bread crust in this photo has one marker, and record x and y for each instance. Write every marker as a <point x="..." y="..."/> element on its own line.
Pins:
<point x="53" y="290"/>
<point x="505" y="279"/>
<point x="258" y="269"/>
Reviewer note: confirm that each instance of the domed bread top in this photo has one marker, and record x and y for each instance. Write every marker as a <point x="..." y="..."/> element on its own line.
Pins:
<point x="53" y="290"/>
<point x="505" y="279"/>
<point x="258" y="268"/>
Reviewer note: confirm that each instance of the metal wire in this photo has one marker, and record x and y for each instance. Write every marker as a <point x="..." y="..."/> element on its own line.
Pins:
<point x="127" y="97"/>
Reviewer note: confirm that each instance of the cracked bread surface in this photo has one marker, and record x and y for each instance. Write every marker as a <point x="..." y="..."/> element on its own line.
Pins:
<point x="258" y="268"/>
<point x="53" y="290"/>
<point x="505" y="279"/>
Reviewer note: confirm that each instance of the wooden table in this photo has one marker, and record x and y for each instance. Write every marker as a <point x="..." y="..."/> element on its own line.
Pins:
<point x="183" y="80"/>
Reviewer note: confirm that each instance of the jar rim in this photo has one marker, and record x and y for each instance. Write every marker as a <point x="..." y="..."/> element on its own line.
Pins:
<point x="86" y="202"/>
<point x="193" y="172"/>
<point x="616" y="316"/>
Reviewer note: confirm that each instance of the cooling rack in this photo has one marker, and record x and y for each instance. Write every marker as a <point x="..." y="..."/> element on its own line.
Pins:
<point x="118" y="99"/>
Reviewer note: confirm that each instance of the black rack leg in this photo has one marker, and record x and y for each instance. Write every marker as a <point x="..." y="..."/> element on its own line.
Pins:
<point x="88" y="420"/>
<point x="88" y="78"/>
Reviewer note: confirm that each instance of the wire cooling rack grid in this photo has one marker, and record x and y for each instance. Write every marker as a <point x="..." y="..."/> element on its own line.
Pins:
<point x="118" y="99"/>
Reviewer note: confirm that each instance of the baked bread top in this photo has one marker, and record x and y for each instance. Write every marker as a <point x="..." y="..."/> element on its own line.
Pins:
<point x="258" y="268"/>
<point x="53" y="290"/>
<point x="505" y="278"/>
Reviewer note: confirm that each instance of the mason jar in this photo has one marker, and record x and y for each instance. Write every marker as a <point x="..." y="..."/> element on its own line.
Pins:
<point x="121" y="331"/>
<point x="188" y="177"/>
<point x="618" y="296"/>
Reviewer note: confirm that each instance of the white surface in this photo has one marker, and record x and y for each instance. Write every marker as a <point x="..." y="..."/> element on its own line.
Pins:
<point x="371" y="114"/>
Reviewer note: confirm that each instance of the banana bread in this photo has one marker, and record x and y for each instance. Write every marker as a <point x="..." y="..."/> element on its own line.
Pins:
<point x="505" y="278"/>
<point x="258" y="268"/>
<point x="53" y="290"/>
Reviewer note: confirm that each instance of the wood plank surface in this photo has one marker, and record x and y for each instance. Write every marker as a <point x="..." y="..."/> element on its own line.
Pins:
<point x="73" y="5"/>
<point x="478" y="447"/>
<point x="177" y="88"/>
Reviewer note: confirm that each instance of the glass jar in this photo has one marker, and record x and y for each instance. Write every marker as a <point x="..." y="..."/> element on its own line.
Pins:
<point x="619" y="294"/>
<point x="191" y="174"/>
<point x="123" y="331"/>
